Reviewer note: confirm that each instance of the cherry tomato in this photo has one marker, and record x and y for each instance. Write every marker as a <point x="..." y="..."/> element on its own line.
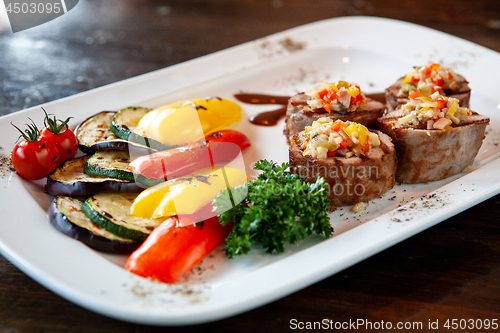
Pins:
<point x="34" y="157"/>
<point x="228" y="135"/>
<point x="61" y="136"/>
<point x="65" y="142"/>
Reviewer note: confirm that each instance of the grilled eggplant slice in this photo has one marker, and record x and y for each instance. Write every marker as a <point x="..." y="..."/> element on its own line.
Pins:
<point x="70" y="179"/>
<point x="111" y="211"/>
<point x="124" y="125"/>
<point x="66" y="215"/>
<point x="114" y="163"/>
<point x="94" y="134"/>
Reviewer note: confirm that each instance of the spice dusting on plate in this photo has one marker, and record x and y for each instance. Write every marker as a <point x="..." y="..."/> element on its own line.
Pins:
<point x="5" y="164"/>
<point x="152" y="291"/>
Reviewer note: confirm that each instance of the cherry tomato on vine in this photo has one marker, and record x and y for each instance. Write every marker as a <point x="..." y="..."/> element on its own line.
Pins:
<point x="34" y="157"/>
<point x="229" y="135"/>
<point x="61" y="136"/>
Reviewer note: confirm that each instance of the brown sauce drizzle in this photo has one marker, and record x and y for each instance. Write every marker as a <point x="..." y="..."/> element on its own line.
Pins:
<point x="261" y="99"/>
<point x="271" y="118"/>
<point x="268" y="118"/>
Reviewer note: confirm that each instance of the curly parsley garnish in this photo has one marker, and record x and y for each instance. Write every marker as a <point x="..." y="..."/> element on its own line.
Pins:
<point x="278" y="208"/>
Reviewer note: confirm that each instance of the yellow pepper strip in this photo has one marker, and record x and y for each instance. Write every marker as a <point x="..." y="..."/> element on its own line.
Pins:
<point x="189" y="121"/>
<point x="185" y="195"/>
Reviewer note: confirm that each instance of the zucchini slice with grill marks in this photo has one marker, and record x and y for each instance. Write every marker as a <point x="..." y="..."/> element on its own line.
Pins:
<point x="114" y="163"/>
<point x="125" y="126"/>
<point x="66" y="215"/>
<point x="111" y="211"/>
<point x="70" y="179"/>
<point x="94" y="134"/>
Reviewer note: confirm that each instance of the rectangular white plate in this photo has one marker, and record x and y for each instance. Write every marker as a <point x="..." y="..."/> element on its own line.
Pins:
<point x="355" y="49"/>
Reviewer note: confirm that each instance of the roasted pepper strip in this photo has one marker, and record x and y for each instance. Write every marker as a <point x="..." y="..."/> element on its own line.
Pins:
<point x="189" y="121"/>
<point x="185" y="195"/>
<point x="222" y="147"/>
<point x="170" y="251"/>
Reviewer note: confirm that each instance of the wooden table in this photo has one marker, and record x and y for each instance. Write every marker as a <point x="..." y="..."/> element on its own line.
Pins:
<point x="449" y="271"/>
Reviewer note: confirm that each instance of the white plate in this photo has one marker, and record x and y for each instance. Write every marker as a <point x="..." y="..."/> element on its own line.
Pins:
<point x="357" y="49"/>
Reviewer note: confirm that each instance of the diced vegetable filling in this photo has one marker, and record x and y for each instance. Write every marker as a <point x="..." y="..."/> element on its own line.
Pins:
<point x="428" y="80"/>
<point x="341" y="96"/>
<point x="326" y="138"/>
<point x="433" y="112"/>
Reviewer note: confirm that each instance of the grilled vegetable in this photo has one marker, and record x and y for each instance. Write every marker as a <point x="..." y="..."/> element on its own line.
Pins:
<point x="224" y="146"/>
<point x="65" y="215"/>
<point x="111" y="211"/>
<point x="188" y="121"/>
<point x="171" y="251"/>
<point x="279" y="208"/>
<point x="114" y="163"/>
<point x="94" y="134"/>
<point x="70" y="179"/>
<point x="185" y="195"/>
<point x="125" y="126"/>
<point x="35" y="156"/>
<point x="58" y="132"/>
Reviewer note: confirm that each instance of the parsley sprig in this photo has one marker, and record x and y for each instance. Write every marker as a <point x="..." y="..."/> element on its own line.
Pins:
<point x="278" y="208"/>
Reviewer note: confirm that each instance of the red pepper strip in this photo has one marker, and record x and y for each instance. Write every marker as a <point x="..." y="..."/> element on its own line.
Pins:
<point x="344" y="144"/>
<point x="229" y="135"/>
<point x="415" y="95"/>
<point x="331" y="153"/>
<point x="170" y="251"/>
<point x="224" y="146"/>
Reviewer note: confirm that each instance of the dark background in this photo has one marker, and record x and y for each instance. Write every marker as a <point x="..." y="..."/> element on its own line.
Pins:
<point x="449" y="271"/>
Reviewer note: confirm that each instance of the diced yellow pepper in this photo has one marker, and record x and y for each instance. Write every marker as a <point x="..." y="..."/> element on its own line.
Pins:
<point x="353" y="91"/>
<point x="362" y="134"/>
<point x="351" y="129"/>
<point x="453" y="108"/>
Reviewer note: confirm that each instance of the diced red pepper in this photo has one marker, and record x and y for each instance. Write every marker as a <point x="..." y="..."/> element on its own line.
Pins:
<point x="331" y="153"/>
<point x="323" y="93"/>
<point x="359" y="99"/>
<point x="332" y="95"/>
<point x="415" y="95"/>
<point x="336" y="126"/>
<point x="430" y="68"/>
<point x="438" y="82"/>
<point x="439" y="90"/>
<point x="344" y="144"/>
<point x="441" y="103"/>
<point x="414" y="80"/>
<point x="365" y="148"/>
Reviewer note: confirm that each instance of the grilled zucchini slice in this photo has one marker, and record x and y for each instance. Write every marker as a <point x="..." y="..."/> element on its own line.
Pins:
<point x="111" y="211"/>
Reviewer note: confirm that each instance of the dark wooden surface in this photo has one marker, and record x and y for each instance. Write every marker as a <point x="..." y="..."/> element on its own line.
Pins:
<point x="449" y="271"/>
